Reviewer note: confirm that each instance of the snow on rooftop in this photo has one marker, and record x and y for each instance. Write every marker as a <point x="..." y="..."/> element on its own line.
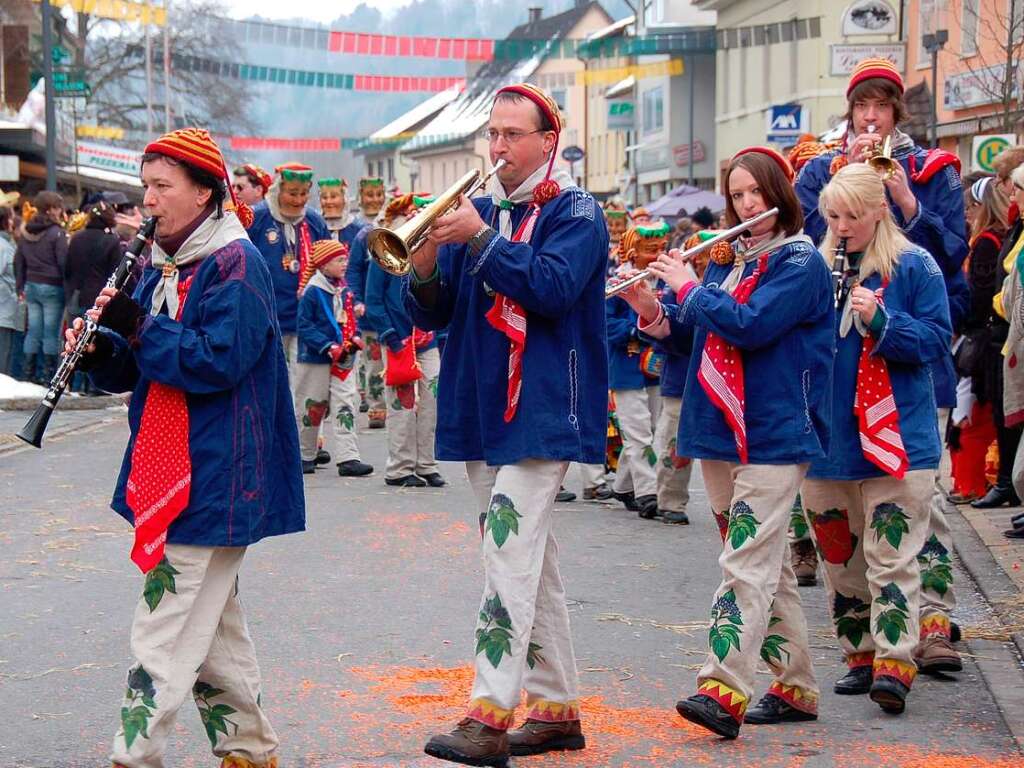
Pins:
<point x="418" y="113"/>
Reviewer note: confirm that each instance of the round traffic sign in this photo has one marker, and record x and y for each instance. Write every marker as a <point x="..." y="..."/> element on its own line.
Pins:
<point x="572" y="154"/>
<point x="988" y="150"/>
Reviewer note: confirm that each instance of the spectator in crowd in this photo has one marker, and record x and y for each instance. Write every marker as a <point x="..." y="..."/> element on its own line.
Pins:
<point x="8" y="291"/>
<point x="39" y="271"/>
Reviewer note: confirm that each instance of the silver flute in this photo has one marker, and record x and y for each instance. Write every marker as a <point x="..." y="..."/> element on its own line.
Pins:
<point x="729" y="234"/>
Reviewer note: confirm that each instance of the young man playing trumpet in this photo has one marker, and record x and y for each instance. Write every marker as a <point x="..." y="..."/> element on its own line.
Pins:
<point x="527" y="261"/>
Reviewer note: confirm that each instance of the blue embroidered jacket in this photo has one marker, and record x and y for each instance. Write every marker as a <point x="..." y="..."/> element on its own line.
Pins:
<point x="317" y="327"/>
<point x="623" y="365"/>
<point x="939" y="227"/>
<point x="385" y="306"/>
<point x="558" y="277"/>
<point x="226" y="355"/>
<point x="677" y="358"/>
<point x="355" y="276"/>
<point x="268" y="236"/>
<point x="917" y="332"/>
<point x="784" y="334"/>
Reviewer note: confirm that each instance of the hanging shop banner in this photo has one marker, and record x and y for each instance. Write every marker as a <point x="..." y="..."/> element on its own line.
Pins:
<point x="621" y="114"/>
<point x="109" y="158"/>
<point x="121" y="10"/>
<point x="982" y="86"/>
<point x="843" y="58"/>
<point x="869" y="17"/>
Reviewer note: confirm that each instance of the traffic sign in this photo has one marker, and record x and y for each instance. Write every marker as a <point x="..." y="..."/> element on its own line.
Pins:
<point x="984" y="150"/>
<point x="572" y="154"/>
<point x="68" y="84"/>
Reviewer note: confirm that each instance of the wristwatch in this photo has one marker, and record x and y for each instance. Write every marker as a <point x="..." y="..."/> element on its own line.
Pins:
<point x="480" y="240"/>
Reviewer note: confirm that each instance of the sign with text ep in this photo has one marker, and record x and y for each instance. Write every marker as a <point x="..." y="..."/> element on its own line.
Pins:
<point x="785" y="122"/>
<point x="985" y="149"/>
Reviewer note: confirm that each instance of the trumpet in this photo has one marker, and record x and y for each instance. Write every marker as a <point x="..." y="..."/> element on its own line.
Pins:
<point x="881" y="159"/>
<point x="728" y="234"/>
<point x="392" y="249"/>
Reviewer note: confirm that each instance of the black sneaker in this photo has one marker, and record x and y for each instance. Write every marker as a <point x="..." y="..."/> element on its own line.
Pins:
<point x="308" y="467"/>
<point x="704" y="711"/>
<point x="647" y="506"/>
<point x="354" y="468"/>
<point x="434" y="480"/>
<point x="856" y="682"/>
<point x="890" y="694"/>
<point x="322" y="457"/>
<point x="771" y="710"/>
<point x="628" y="500"/>
<point x="954" y="632"/>
<point x="674" y="518"/>
<point x="564" y="496"/>
<point x="364" y="407"/>
<point x="409" y="481"/>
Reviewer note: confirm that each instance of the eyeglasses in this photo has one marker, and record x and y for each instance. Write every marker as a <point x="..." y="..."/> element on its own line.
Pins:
<point x="510" y="137"/>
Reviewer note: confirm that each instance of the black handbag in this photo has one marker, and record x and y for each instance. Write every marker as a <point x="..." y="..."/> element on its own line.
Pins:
<point x="971" y="352"/>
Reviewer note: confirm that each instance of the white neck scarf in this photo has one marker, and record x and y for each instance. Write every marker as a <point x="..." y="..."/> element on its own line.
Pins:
<point x="522" y="194"/>
<point x="746" y="255"/>
<point x="288" y="223"/>
<point x="212" y="235"/>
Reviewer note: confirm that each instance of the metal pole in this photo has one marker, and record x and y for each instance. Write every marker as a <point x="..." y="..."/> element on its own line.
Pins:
<point x="51" y="113"/>
<point x="692" y="74"/>
<point x="935" y="96"/>
<point x="167" y="66"/>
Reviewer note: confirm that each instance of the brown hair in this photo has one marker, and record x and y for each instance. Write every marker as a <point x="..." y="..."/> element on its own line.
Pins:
<point x="878" y="88"/>
<point x="46" y="200"/>
<point x="775" y="188"/>
<point x="1007" y="160"/>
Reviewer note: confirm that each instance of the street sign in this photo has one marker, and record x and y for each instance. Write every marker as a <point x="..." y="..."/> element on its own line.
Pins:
<point x="985" y="149"/>
<point x="60" y="55"/>
<point x="572" y="154"/>
<point x="621" y="115"/>
<point x="785" y="122"/>
<point x="70" y="83"/>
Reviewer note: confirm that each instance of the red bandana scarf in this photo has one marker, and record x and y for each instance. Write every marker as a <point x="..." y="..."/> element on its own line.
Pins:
<point x="508" y="316"/>
<point x="348" y="332"/>
<point x="875" y="407"/>
<point x="721" y="367"/>
<point x="304" y="247"/>
<point x="161" y="475"/>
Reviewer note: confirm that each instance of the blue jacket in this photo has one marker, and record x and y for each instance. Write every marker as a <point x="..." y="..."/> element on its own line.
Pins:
<point x="917" y="332"/>
<point x="624" y="366"/>
<point x="785" y="336"/>
<point x="226" y="354"/>
<point x="355" y="275"/>
<point x="317" y="327"/>
<point x="559" y="279"/>
<point x="939" y="227"/>
<point x="346" y="234"/>
<point x="385" y="306"/>
<point x="677" y="358"/>
<point x="268" y="235"/>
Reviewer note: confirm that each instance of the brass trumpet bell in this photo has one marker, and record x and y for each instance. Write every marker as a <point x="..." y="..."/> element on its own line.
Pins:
<point x="881" y="160"/>
<point x="392" y="249"/>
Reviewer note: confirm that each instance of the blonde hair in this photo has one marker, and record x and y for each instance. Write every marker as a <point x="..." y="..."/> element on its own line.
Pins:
<point x="859" y="187"/>
<point x="994" y="209"/>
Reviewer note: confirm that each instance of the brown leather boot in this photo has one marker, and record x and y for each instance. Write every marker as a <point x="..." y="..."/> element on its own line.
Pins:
<point x="471" y="743"/>
<point x="936" y="654"/>
<point x="805" y="562"/>
<point x="535" y="737"/>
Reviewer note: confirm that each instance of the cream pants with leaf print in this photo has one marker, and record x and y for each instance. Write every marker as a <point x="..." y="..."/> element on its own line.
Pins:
<point x="412" y="421"/>
<point x="322" y="400"/>
<point x="870" y="534"/>
<point x="189" y="636"/>
<point x="637" y="410"/>
<point x="756" y="613"/>
<point x="523" y="638"/>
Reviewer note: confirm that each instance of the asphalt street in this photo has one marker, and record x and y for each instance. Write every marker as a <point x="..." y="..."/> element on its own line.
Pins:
<point x="364" y="629"/>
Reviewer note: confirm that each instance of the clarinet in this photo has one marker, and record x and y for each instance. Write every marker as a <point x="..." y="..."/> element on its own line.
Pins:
<point x="839" y="267"/>
<point x="32" y="432"/>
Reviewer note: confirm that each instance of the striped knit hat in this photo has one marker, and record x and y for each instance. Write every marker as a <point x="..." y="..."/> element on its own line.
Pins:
<point x="251" y="169"/>
<point x="547" y="190"/>
<point x="867" y="69"/>
<point x="322" y="252"/>
<point x="775" y="155"/>
<point x="197" y="148"/>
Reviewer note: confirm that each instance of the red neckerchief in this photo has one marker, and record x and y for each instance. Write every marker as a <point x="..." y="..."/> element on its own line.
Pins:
<point x="875" y="407"/>
<point x="508" y="316"/>
<point x="348" y="332"/>
<point x="721" y="367"/>
<point x="304" y="246"/>
<point x="160" y="479"/>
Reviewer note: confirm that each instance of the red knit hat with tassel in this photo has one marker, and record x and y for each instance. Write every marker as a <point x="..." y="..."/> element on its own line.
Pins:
<point x="196" y="147"/>
<point x="548" y="189"/>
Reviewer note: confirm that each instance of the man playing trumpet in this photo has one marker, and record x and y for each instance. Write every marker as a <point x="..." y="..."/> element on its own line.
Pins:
<point x="518" y="277"/>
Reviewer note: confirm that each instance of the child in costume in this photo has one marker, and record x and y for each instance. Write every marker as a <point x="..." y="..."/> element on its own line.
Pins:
<point x="325" y="387"/>
<point x="412" y="365"/>
<point x="756" y="413"/>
